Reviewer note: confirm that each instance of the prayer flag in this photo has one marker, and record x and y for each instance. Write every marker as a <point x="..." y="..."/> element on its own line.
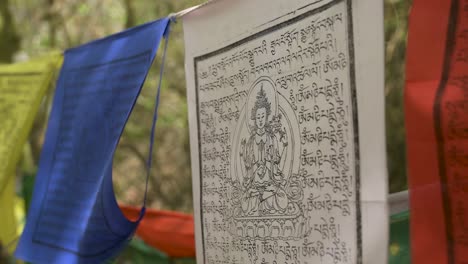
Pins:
<point x="399" y="244"/>
<point x="8" y="223"/>
<point x="169" y="232"/>
<point x="140" y="253"/>
<point x="399" y="247"/>
<point x="286" y="114"/>
<point x="22" y="88"/>
<point x="436" y="113"/>
<point x="74" y="217"/>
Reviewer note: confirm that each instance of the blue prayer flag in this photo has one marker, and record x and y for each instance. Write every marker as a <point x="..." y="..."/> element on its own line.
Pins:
<point x="74" y="217"/>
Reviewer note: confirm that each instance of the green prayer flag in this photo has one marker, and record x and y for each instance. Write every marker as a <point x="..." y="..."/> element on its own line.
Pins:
<point x="140" y="253"/>
<point x="399" y="246"/>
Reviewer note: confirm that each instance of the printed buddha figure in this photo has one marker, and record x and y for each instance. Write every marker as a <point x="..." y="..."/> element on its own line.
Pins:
<point x="263" y="161"/>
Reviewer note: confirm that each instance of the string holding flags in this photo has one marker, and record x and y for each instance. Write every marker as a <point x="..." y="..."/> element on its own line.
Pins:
<point x="74" y="217"/>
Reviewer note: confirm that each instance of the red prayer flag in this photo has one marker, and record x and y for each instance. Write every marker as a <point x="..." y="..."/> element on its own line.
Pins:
<point x="167" y="231"/>
<point x="436" y="110"/>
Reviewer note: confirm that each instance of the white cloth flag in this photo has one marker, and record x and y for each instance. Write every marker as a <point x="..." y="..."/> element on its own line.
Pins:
<point x="286" y="112"/>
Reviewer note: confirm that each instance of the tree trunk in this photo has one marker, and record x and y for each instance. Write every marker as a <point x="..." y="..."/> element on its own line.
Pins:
<point x="52" y="24"/>
<point x="130" y="22"/>
<point x="9" y="39"/>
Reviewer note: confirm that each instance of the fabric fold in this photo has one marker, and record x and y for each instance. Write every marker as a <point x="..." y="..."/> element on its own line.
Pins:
<point x="74" y="217"/>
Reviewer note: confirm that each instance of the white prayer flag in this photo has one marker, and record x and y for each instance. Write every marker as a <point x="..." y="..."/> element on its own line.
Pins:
<point x="286" y="112"/>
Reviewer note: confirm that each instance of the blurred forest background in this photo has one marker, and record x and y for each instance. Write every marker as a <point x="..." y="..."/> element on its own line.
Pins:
<point x="30" y="28"/>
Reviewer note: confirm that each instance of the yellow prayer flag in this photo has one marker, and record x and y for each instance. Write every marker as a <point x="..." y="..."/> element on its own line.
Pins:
<point x="8" y="226"/>
<point x="22" y="89"/>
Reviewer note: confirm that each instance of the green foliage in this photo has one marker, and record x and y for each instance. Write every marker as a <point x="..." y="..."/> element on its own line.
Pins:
<point x="396" y="27"/>
<point x="45" y="25"/>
